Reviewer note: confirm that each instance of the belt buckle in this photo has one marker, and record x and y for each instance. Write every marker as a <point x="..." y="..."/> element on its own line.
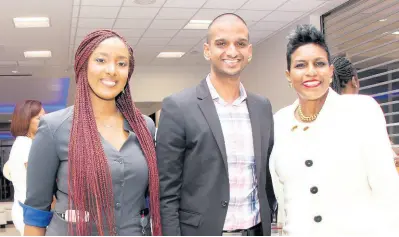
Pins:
<point x="225" y="233"/>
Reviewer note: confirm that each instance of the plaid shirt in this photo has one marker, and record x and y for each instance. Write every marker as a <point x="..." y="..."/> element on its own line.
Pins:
<point x="243" y="209"/>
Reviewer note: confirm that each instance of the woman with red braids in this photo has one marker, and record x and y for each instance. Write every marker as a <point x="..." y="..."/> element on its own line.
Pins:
<point x="99" y="157"/>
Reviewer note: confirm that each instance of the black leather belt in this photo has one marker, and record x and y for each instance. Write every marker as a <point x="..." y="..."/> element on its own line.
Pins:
<point x="253" y="231"/>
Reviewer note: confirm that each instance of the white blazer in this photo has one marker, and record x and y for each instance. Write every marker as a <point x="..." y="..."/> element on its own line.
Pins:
<point x="18" y="157"/>
<point x="336" y="175"/>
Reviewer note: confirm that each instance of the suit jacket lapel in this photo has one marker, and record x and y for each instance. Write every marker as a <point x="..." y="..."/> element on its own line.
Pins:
<point x="207" y="107"/>
<point x="256" y="133"/>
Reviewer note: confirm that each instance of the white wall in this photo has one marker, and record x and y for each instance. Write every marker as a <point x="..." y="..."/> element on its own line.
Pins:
<point x="265" y="75"/>
<point x="154" y="83"/>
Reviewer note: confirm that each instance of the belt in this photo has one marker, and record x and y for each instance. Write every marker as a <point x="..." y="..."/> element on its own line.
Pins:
<point x="253" y="231"/>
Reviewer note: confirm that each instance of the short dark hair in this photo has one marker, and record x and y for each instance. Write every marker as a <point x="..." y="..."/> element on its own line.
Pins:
<point x="303" y="35"/>
<point x="220" y="16"/>
<point x="22" y="115"/>
<point x="343" y="73"/>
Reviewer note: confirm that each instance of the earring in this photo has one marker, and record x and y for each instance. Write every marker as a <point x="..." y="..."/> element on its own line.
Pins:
<point x="206" y="57"/>
<point x="249" y="59"/>
<point x="123" y="92"/>
<point x="290" y="84"/>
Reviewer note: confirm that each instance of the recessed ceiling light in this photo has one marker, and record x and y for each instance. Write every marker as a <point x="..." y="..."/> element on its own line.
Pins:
<point x="396" y="33"/>
<point x="37" y="54"/>
<point x="170" y="54"/>
<point x="198" y="25"/>
<point x="382" y="20"/>
<point x="31" y="22"/>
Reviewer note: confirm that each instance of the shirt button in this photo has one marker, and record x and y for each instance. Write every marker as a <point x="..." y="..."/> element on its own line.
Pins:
<point x="309" y="163"/>
<point x="121" y="162"/>
<point x="122" y="184"/>
<point x="314" y="190"/>
<point x="317" y="219"/>
<point x="118" y="205"/>
<point x="224" y="203"/>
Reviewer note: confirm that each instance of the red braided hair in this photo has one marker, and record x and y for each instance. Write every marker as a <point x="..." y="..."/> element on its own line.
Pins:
<point x="90" y="181"/>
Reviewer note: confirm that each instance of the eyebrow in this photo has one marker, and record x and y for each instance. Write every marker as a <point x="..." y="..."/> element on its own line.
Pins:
<point x="240" y="39"/>
<point x="107" y="55"/>
<point x="302" y="61"/>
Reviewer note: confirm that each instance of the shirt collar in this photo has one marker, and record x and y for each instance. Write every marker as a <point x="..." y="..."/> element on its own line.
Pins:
<point x="216" y="96"/>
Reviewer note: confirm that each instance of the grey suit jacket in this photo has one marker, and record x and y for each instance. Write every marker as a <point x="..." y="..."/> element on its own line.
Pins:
<point x="192" y="162"/>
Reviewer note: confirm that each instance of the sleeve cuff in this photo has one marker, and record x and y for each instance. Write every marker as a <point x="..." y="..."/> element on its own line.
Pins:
<point x="36" y="217"/>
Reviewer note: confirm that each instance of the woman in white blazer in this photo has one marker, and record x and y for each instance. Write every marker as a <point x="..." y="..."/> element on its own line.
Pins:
<point x="331" y="164"/>
<point x="24" y="125"/>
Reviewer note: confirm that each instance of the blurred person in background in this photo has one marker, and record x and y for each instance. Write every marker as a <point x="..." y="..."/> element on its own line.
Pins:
<point x="24" y="125"/>
<point x="345" y="80"/>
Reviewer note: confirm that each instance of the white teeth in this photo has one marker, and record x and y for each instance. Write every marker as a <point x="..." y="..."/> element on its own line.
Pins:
<point x="108" y="83"/>
<point x="230" y="61"/>
<point x="312" y="83"/>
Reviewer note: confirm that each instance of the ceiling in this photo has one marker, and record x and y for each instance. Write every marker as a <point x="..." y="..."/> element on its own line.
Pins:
<point x="149" y="29"/>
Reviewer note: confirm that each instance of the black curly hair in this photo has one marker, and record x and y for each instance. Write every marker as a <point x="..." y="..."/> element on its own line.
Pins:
<point x="303" y="35"/>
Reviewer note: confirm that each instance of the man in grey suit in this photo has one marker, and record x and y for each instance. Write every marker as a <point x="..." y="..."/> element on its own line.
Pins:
<point x="213" y="146"/>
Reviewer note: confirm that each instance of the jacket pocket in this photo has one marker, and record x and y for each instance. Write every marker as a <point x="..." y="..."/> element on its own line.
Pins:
<point x="189" y="218"/>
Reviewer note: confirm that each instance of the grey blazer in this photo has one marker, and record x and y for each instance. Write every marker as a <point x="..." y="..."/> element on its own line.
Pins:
<point x="192" y="162"/>
<point x="47" y="175"/>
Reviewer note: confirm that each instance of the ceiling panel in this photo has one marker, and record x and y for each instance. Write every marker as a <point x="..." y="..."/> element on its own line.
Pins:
<point x="283" y="16"/>
<point x="192" y="33"/>
<point x="95" y="23"/>
<point x="259" y="34"/>
<point x="98" y="12"/>
<point x="176" y="13"/>
<point x="268" y="25"/>
<point x="184" y="41"/>
<point x="300" y="5"/>
<point x="138" y="13"/>
<point x="269" y="5"/>
<point x="130" y="33"/>
<point x="221" y="4"/>
<point x="132" y="23"/>
<point x="154" y="41"/>
<point x="155" y="33"/>
<point x="102" y="3"/>
<point x="168" y="24"/>
<point x="131" y="3"/>
<point x="209" y="14"/>
<point x="249" y="15"/>
<point x="132" y="41"/>
<point x="82" y="32"/>
<point x="184" y="3"/>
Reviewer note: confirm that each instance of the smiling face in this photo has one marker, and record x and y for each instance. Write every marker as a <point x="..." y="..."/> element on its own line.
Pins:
<point x="310" y="72"/>
<point x="108" y="69"/>
<point x="228" y="47"/>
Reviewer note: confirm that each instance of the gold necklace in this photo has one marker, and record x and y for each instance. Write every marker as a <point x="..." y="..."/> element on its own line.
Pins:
<point x="304" y="118"/>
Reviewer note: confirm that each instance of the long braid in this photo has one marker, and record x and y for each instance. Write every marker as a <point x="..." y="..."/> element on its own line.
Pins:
<point x="90" y="181"/>
<point x="343" y="73"/>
